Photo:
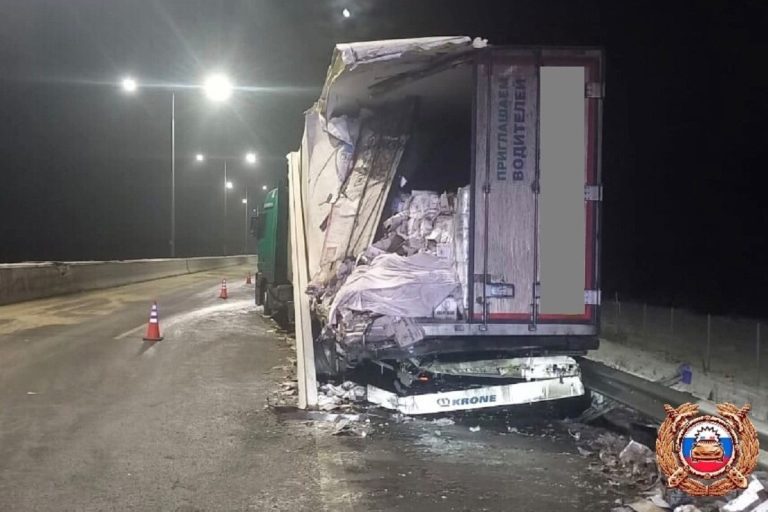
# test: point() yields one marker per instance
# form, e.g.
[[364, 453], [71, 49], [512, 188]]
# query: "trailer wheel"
[[258, 296]]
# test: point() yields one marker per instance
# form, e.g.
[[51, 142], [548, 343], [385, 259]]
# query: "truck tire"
[[258, 295], [268, 302]]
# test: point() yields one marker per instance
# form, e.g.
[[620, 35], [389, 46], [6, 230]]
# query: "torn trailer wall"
[[419, 224]]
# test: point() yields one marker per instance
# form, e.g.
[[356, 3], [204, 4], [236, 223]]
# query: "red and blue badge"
[[706, 446]]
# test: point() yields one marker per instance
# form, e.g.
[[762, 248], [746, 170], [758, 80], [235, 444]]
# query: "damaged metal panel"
[[357, 69], [478, 398], [354, 217], [527, 368], [505, 184]]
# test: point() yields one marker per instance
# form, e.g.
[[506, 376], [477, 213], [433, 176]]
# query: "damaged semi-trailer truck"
[[444, 222]]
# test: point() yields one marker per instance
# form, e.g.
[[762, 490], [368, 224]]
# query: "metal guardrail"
[[647, 397]]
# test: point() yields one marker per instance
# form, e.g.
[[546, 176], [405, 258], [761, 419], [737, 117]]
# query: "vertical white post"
[[305, 353]]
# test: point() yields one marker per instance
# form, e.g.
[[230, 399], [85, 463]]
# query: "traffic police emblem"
[[707, 455]]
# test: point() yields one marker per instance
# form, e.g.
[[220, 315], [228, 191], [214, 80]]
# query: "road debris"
[[474, 429], [331, 397], [625, 465], [687, 508], [645, 506], [349, 427], [748, 500]]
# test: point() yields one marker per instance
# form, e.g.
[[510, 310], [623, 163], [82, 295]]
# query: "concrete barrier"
[[27, 281]]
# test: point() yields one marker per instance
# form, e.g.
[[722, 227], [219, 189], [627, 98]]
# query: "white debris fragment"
[[474, 429], [443, 422], [687, 508], [31, 393], [636, 453], [746, 499], [645, 506], [659, 501]]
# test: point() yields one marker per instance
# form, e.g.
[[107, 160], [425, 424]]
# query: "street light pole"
[[245, 239], [218, 88], [224, 224], [173, 174]]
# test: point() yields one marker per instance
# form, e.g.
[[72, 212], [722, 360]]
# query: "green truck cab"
[[273, 288]]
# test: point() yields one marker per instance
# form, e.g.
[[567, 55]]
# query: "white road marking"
[[128, 333]]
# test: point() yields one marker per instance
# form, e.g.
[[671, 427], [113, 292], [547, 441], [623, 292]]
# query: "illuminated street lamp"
[[250, 158], [229, 185], [346, 13], [129, 84], [264, 187], [218, 88]]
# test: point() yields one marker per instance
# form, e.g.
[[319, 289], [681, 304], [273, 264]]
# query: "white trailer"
[[515, 132]]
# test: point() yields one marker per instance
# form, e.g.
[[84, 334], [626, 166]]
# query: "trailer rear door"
[[536, 189]]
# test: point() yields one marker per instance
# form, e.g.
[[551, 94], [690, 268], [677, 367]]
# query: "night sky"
[[86, 169]]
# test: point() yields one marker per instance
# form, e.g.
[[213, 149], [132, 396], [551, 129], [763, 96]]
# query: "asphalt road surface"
[[92, 419]]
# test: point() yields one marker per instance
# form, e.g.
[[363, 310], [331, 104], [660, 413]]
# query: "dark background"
[[85, 170]]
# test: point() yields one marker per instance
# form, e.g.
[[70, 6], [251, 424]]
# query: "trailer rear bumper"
[[521, 345], [479, 398]]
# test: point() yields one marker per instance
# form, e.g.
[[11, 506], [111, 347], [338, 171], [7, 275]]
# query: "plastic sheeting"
[[326, 159], [399, 286]]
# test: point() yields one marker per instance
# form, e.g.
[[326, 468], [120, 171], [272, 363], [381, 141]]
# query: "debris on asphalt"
[[645, 506], [515, 430], [748, 500], [287, 394], [443, 422], [343, 396], [623, 464], [675, 497], [474, 429], [638, 456], [349, 427], [687, 508]]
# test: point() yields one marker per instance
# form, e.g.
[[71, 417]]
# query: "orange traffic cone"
[[223, 294], [248, 279], [153, 327]]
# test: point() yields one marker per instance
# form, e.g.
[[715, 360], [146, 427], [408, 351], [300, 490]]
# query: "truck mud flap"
[[478, 398]]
